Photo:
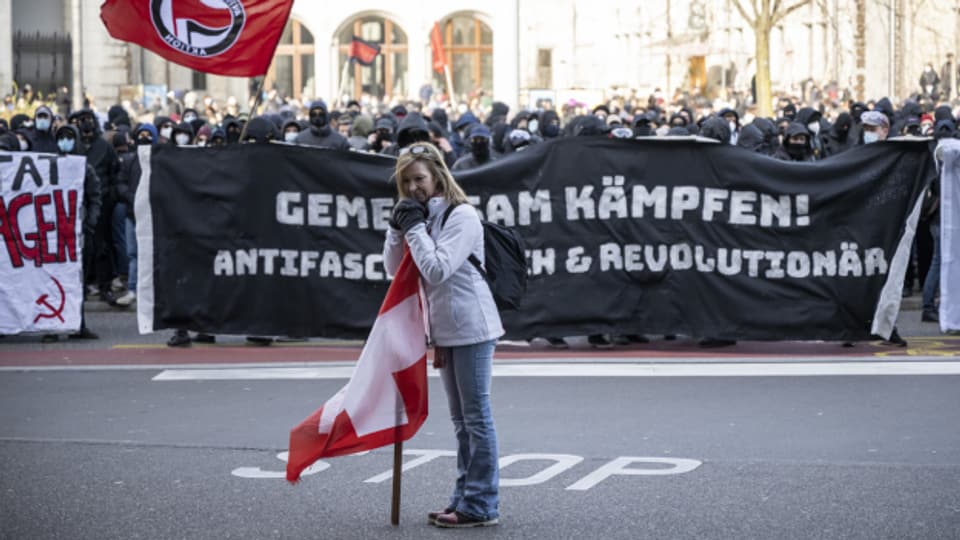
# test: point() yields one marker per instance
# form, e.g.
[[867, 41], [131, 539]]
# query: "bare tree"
[[762, 18]]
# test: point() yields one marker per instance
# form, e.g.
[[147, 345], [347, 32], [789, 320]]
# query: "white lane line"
[[779, 369]]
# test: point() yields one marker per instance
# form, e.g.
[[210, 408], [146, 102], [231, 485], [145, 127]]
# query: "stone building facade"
[[516, 51]]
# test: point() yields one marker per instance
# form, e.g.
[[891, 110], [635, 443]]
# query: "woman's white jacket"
[[460, 306]]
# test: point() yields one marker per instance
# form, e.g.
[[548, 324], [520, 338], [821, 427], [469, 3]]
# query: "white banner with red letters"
[[41, 237]]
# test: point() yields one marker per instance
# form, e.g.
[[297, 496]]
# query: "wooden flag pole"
[[397, 468], [343, 81], [253, 110], [450, 96]]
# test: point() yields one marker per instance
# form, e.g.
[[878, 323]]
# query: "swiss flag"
[[436, 47], [224, 37], [385, 400], [363, 51]]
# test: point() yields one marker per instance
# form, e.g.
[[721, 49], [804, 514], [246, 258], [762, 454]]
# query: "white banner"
[[41, 242], [949, 152]]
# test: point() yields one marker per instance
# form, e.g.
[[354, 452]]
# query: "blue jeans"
[[931, 285], [131, 236], [118, 225], [466, 378]]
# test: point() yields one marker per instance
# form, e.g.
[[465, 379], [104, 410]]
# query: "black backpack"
[[504, 253]]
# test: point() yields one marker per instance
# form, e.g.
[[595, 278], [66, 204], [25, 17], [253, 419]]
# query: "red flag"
[[237, 38], [436, 46], [363, 51], [385, 400]]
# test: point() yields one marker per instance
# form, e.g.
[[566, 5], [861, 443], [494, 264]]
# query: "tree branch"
[[743, 12], [777, 17]]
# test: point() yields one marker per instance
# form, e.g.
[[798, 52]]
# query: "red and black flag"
[[363, 51], [232, 37]]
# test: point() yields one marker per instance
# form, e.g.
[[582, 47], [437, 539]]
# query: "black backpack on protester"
[[504, 253]]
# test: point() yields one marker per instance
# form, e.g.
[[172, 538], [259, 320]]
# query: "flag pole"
[[256, 105], [343, 80], [397, 464], [446, 73]]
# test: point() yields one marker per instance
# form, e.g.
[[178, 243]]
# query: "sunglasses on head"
[[415, 150]]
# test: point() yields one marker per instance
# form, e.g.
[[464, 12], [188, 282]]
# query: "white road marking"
[[766, 369]]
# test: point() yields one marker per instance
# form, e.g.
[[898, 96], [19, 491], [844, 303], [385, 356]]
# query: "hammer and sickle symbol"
[[55, 312]]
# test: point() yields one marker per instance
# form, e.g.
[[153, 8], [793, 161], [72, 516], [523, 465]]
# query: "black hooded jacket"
[[42, 140], [794, 128], [807, 116], [261, 130], [92, 198], [751, 138], [103, 158], [838, 138], [771, 138], [716, 128]]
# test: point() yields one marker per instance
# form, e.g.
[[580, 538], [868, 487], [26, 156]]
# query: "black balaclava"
[[87, 124], [480, 148]]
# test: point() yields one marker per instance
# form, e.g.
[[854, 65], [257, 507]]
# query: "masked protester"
[[320, 133], [203, 136], [837, 139], [232, 129], [164, 127], [733, 122], [549, 124], [260, 131], [218, 138], [813, 120], [70, 142], [127, 182], [876, 126], [382, 136], [479, 151], [103, 158], [796, 144], [413, 129], [291, 129], [182, 135], [41, 136]]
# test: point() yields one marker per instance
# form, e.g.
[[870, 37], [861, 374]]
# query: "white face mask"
[[533, 126], [290, 136], [182, 139], [189, 118], [166, 132], [733, 126], [814, 127], [870, 137]]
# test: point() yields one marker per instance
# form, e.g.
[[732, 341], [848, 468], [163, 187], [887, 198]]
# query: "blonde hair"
[[428, 154]]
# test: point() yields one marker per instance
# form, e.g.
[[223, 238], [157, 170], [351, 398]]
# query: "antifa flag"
[[663, 236], [363, 52], [235, 37], [41, 242], [385, 400]]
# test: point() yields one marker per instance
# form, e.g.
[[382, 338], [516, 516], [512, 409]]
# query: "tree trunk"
[[764, 96]]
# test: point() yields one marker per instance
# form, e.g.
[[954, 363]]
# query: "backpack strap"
[[472, 258]]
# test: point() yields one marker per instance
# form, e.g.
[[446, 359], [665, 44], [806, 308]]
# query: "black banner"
[[624, 236]]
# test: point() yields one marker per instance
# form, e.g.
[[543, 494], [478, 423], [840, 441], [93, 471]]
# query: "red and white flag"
[[225, 37], [385, 400]]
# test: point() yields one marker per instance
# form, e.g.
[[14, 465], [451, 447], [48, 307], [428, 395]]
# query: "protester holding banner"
[[69, 141], [463, 320]]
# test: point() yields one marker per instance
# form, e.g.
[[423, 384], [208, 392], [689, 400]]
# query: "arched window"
[[386, 77], [291, 73], [469, 46]]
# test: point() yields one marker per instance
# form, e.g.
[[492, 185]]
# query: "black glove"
[[406, 214]]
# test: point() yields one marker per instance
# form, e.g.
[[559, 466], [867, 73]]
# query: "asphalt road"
[[108, 454]]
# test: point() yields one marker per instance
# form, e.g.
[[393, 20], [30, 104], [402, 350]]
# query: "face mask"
[[166, 132], [290, 136], [43, 124], [796, 150], [814, 127], [870, 137], [533, 126], [319, 120], [189, 118], [480, 148], [87, 126], [182, 139], [66, 145], [201, 142], [733, 126], [23, 145], [144, 141]]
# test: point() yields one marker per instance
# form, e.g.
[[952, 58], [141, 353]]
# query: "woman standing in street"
[[442, 230]]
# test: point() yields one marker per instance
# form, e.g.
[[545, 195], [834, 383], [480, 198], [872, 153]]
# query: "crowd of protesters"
[[468, 136]]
